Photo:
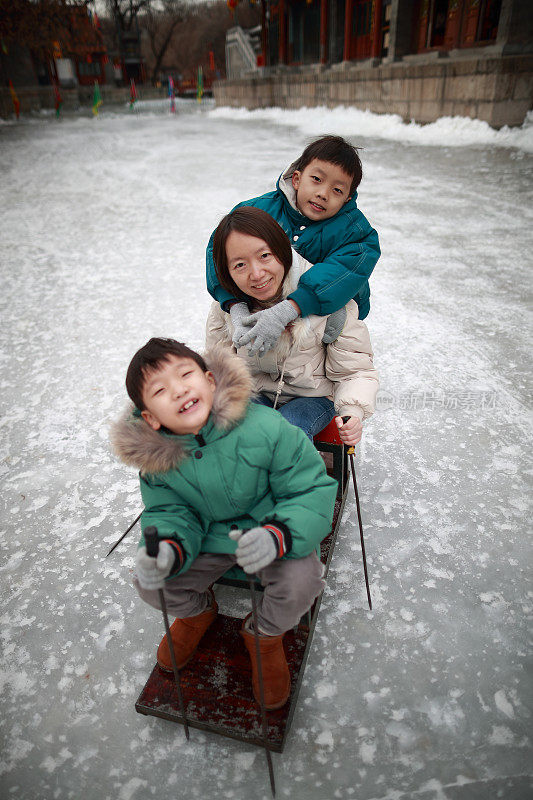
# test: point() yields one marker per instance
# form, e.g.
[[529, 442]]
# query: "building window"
[[89, 70], [489, 16], [437, 26], [362, 18]]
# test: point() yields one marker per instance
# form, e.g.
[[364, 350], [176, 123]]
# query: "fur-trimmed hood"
[[140, 446]]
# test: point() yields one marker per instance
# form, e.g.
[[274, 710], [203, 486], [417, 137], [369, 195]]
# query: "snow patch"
[[244, 761], [325, 739], [127, 790], [503, 704], [325, 689], [349, 121]]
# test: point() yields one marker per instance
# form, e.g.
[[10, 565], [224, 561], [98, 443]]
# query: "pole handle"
[[350, 450], [151, 539]]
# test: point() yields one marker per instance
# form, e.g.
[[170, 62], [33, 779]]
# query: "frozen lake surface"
[[103, 229]]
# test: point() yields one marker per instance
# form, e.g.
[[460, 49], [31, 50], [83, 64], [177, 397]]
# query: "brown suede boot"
[[186, 634], [276, 676]]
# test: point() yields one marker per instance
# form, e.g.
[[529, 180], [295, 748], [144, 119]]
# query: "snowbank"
[[346, 121]]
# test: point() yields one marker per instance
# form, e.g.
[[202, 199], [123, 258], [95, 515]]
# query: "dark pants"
[[311, 414], [290, 586]]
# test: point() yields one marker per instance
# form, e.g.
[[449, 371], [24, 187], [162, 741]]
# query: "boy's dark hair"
[[334, 150], [254, 222], [149, 358]]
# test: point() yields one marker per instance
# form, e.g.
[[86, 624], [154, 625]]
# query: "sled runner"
[[216, 684]]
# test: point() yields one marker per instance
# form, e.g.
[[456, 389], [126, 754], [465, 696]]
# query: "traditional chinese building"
[[83, 47], [331, 31], [418, 58]]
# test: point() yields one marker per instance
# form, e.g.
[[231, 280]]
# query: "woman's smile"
[[259, 287]]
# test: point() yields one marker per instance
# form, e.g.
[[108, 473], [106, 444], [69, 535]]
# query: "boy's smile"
[[178, 395], [321, 189]]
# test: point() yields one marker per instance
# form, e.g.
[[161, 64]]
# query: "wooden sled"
[[217, 684]]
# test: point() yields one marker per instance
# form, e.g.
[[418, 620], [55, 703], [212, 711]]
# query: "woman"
[[307, 380]]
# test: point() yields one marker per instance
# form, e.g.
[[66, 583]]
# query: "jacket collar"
[[138, 445]]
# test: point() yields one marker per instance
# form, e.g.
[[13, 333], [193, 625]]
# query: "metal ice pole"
[[152, 548], [264, 723], [135, 521], [350, 451]]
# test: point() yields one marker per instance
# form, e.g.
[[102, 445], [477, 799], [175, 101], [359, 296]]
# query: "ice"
[[103, 230]]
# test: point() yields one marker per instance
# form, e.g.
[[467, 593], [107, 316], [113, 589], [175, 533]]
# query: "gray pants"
[[290, 586]]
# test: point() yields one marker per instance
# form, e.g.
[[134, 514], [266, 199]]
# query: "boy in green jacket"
[[315, 204], [210, 460]]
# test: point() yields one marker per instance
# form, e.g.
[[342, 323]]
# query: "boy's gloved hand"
[[334, 325], [152, 572], [237, 312], [268, 325], [256, 548]]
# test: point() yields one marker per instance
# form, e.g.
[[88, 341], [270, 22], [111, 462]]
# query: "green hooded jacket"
[[246, 467]]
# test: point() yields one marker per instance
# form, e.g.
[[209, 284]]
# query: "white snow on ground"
[[348, 121], [103, 229]]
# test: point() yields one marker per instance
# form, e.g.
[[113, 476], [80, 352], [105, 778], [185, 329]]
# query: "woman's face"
[[252, 265]]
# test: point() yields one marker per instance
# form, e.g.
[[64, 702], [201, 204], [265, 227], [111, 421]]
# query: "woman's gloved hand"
[[268, 325], [152, 572], [237, 312], [255, 550]]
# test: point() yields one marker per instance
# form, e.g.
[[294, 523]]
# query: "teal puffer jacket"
[[343, 250], [247, 466]]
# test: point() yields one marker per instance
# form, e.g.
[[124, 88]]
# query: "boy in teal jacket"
[[315, 204], [210, 460]]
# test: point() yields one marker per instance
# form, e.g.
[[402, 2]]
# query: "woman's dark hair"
[[149, 358], [254, 222], [334, 150]]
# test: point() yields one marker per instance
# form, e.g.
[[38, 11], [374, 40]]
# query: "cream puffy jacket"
[[300, 365]]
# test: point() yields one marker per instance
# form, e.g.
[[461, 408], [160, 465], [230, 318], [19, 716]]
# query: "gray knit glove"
[[237, 312], [334, 325], [268, 325], [152, 572], [255, 550]]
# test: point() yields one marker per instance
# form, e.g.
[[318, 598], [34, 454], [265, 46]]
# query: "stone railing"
[[498, 90]]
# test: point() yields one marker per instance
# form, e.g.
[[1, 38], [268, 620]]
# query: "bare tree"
[[37, 24], [160, 25], [126, 12], [203, 31]]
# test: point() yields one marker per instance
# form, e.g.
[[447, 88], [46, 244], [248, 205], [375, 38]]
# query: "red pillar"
[[323, 31], [264, 34], [376, 39], [282, 33], [348, 16]]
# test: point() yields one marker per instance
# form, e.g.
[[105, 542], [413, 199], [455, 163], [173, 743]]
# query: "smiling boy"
[[315, 204], [177, 394], [210, 460]]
